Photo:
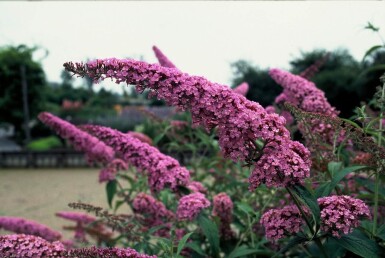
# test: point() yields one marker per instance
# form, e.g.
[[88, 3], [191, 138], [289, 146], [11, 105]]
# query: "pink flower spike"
[[79, 217], [94, 149], [239, 122], [162, 171], [163, 60], [28, 227], [223, 208], [242, 89], [191, 205]]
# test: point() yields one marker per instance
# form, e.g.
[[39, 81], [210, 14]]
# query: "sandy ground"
[[38, 194]]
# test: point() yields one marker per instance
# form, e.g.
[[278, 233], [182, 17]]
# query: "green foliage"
[[46, 143], [12, 58]]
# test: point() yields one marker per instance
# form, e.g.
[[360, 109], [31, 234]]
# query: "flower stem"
[[316, 240], [377, 182]]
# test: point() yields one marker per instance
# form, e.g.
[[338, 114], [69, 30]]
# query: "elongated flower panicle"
[[242, 88], [340, 214], [79, 217], [23, 246], [91, 252], [223, 208], [279, 223], [314, 68], [162, 171], [95, 150], [163, 60], [303, 93], [239, 121], [306, 96], [191, 205], [28, 227], [154, 211]]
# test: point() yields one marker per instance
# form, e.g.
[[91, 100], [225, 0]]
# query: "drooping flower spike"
[[28, 227], [239, 122], [91, 252], [163, 60], [162, 171], [242, 88], [314, 68], [95, 150]]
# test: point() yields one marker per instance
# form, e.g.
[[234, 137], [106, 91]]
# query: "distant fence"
[[37, 159], [59, 159]]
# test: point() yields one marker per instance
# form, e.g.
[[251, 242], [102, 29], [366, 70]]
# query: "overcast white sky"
[[201, 38]]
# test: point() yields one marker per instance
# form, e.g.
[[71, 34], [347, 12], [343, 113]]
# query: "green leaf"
[[371, 50], [370, 185], [360, 244], [118, 204], [244, 250], [309, 199], [333, 167], [326, 188], [182, 242], [293, 242], [244, 207], [210, 230], [194, 246], [111, 191], [381, 232]]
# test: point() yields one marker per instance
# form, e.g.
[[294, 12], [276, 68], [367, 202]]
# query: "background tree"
[[12, 58]]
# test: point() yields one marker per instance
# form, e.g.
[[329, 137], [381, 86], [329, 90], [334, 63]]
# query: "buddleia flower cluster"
[[95, 149], [238, 121], [28, 227], [340, 214], [162, 171]]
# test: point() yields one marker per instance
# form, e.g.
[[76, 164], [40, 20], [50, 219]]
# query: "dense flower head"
[[163, 60], [242, 88], [109, 172], [279, 223], [281, 165], [95, 150], [23, 246], [223, 208], [28, 227], [162, 171], [154, 211], [341, 214], [191, 205], [113, 252], [239, 122]]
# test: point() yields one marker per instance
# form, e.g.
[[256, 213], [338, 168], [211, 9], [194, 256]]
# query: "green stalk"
[[377, 183], [316, 240]]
